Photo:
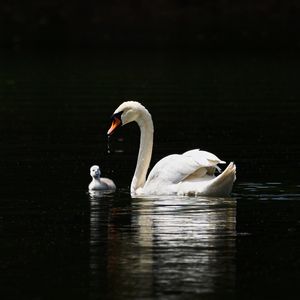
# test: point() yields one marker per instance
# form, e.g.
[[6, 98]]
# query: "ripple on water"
[[175, 244], [266, 191]]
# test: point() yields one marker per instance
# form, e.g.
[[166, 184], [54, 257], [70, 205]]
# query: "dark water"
[[58, 241]]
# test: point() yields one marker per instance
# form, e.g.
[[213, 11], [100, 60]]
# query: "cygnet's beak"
[[95, 174], [114, 125]]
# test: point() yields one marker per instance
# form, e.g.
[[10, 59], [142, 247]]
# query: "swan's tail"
[[221, 186]]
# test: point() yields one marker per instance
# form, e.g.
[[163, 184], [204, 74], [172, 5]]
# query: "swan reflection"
[[166, 244]]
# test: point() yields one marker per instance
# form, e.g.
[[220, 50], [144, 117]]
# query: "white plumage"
[[190, 173], [100, 183]]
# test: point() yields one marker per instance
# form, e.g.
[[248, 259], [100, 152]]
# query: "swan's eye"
[[117, 115]]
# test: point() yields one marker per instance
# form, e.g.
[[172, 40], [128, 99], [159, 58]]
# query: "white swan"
[[98, 183], [190, 173]]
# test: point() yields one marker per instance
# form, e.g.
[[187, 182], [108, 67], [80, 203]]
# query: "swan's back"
[[192, 166], [102, 184]]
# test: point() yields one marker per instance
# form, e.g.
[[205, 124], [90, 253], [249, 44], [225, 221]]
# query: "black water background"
[[55, 110]]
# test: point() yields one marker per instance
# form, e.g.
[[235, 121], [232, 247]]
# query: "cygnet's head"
[[127, 112], [95, 171]]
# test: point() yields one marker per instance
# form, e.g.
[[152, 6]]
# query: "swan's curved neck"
[[145, 152]]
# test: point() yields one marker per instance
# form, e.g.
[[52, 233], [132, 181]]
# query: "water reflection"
[[161, 246]]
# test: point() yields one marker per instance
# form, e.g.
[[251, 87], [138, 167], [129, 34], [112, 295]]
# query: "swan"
[[98, 183], [190, 173]]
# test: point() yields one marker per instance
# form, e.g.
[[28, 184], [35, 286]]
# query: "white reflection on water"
[[193, 240], [164, 246]]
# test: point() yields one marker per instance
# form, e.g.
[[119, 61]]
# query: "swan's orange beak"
[[114, 125]]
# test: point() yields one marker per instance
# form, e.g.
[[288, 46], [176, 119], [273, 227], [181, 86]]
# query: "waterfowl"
[[100, 183], [190, 173]]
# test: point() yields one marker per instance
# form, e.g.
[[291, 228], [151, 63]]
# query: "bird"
[[189, 174], [100, 183]]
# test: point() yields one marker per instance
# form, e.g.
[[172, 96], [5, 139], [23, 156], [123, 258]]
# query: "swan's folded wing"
[[204, 158], [177, 167], [172, 169]]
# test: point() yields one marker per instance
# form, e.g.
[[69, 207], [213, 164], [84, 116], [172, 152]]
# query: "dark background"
[[260, 24], [240, 101]]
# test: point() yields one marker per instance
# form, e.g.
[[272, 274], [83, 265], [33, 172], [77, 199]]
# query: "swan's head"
[[95, 171], [127, 112]]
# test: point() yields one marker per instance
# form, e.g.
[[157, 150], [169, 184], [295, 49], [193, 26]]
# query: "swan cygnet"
[[100, 183], [190, 173]]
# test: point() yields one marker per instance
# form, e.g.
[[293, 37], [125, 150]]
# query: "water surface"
[[58, 241]]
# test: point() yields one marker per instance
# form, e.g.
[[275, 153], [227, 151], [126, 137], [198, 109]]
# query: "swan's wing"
[[203, 157], [172, 169], [206, 159], [109, 183], [175, 168]]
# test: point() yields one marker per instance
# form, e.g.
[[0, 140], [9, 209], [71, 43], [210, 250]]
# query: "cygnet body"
[[100, 183]]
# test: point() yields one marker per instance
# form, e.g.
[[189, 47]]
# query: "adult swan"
[[190, 173]]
